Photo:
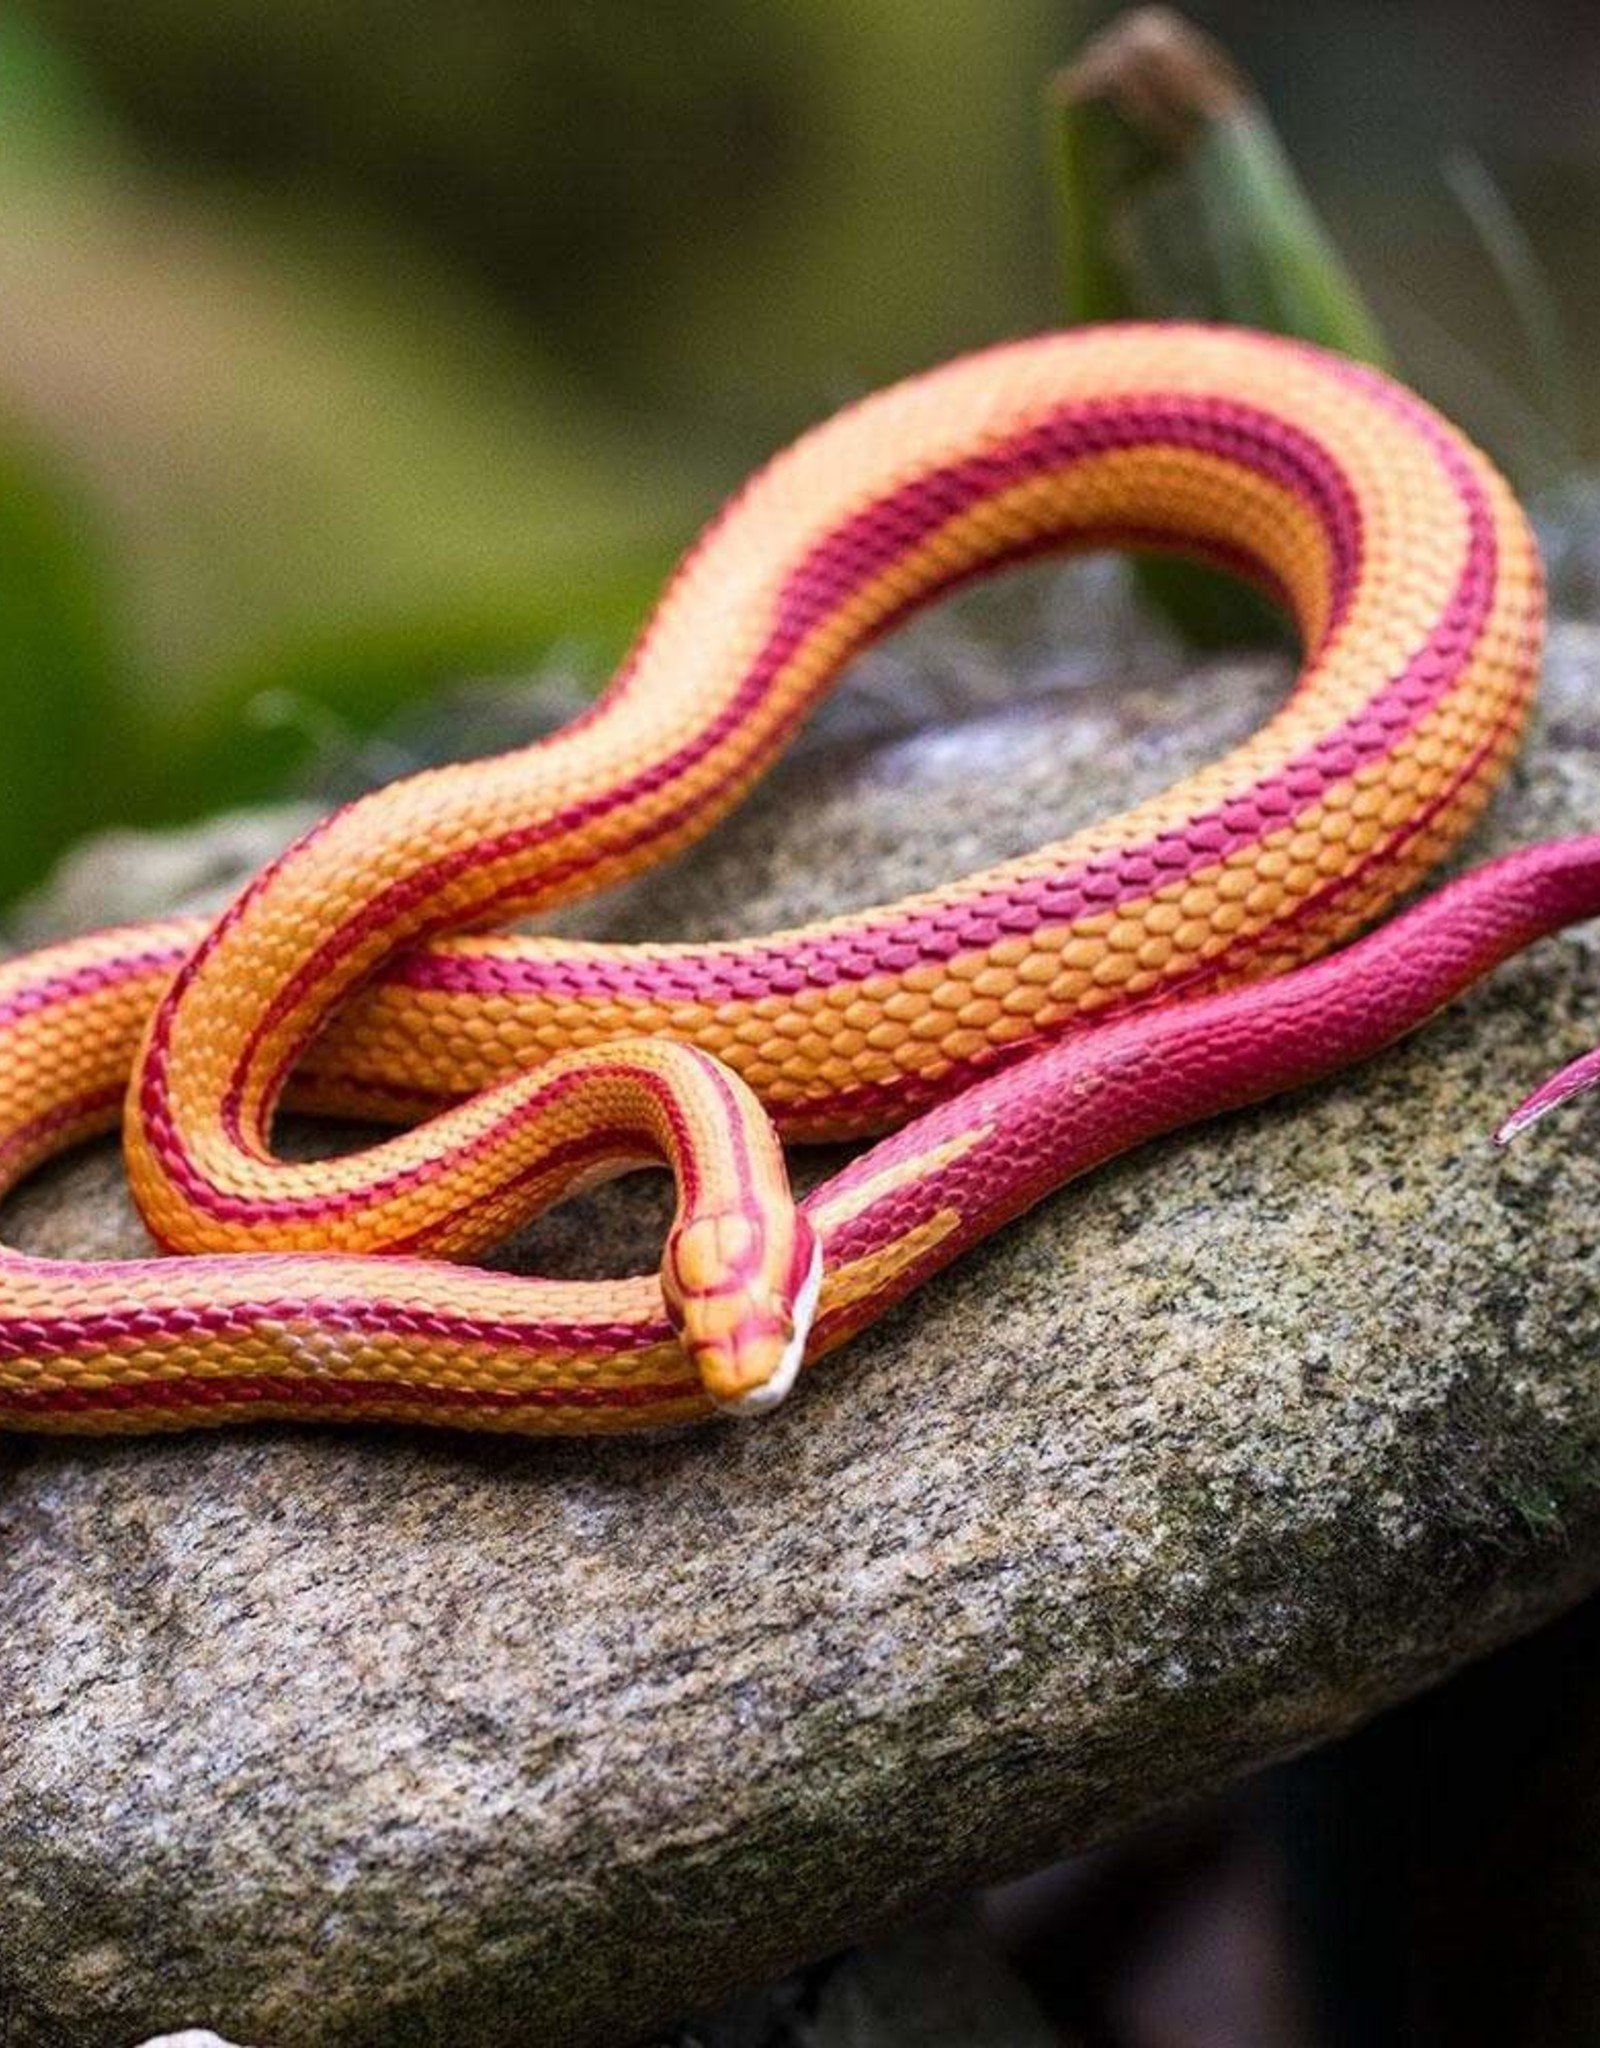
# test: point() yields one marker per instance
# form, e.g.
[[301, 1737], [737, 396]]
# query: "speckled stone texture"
[[369, 1738]]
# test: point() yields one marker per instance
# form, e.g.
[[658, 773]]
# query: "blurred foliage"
[[57, 684], [1175, 197], [262, 466], [352, 350], [467, 122], [356, 337], [675, 198]]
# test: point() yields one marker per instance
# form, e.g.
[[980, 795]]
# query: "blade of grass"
[[1527, 288], [1274, 262], [63, 764]]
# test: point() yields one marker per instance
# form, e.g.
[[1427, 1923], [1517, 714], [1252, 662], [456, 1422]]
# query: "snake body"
[[355, 974]]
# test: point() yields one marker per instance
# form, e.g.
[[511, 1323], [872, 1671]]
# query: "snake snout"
[[743, 1309]]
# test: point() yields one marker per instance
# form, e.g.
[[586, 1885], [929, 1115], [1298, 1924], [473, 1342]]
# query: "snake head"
[[741, 1292]]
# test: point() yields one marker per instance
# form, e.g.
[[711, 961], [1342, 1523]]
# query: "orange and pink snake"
[[1009, 1031]]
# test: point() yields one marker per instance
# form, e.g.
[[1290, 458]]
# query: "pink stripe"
[[873, 1105], [739, 1144], [201, 1391], [87, 980], [26, 1339], [746, 972], [24, 1139], [530, 1112], [976, 921], [849, 557], [578, 1154]]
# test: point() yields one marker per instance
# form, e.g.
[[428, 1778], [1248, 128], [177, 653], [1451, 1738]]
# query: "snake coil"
[[361, 971]]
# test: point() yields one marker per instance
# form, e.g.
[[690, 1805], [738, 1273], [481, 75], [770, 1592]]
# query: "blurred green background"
[[348, 351]]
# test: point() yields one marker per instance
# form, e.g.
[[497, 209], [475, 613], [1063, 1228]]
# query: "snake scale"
[[1008, 1031]]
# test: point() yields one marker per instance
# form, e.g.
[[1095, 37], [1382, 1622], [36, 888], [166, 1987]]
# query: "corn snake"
[[523, 1067]]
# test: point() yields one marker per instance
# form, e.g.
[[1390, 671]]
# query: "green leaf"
[[1175, 199], [270, 724], [57, 695]]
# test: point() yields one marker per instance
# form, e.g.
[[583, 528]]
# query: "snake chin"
[[776, 1388]]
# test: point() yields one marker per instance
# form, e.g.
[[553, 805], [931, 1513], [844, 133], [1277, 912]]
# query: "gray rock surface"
[[119, 877], [375, 1738]]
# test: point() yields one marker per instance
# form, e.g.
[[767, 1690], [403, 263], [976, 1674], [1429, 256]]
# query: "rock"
[[120, 877], [366, 1737]]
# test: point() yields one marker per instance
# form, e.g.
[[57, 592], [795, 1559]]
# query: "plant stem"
[[1176, 199]]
